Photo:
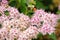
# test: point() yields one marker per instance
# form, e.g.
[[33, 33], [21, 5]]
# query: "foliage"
[[49, 37], [0, 25], [44, 4], [6, 13], [24, 6], [39, 37], [58, 12], [53, 36]]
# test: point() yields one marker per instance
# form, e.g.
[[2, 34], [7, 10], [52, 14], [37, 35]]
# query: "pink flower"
[[2, 16], [13, 12], [41, 15], [35, 21], [23, 37], [3, 33], [14, 33], [39, 12], [50, 19], [4, 2], [46, 29], [2, 8], [37, 17], [31, 32]]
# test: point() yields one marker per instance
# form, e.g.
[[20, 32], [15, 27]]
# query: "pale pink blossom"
[[42, 16], [14, 33], [31, 32], [4, 2], [37, 17], [35, 21], [3, 33], [50, 19], [46, 29]]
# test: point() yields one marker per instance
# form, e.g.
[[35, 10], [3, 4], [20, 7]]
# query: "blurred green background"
[[27, 6]]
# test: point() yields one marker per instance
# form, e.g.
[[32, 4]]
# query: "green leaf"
[[46, 2], [58, 12], [53, 36], [23, 1], [58, 20], [0, 25], [12, 3], [21, 5], [30, 13], [0, 14], [43, 4], [39, 35], [19, 1], [6, 13], [31, 2], [15, 39], [23, 8], [39, 5]]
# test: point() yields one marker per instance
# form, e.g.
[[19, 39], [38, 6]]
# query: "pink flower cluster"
[[3, 2], [13, 13], [3, 33], [14, 34], [37, 17], [46, 22], [22, 23], [46, 29], [17, 26], [21, 27], [29, 33]]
